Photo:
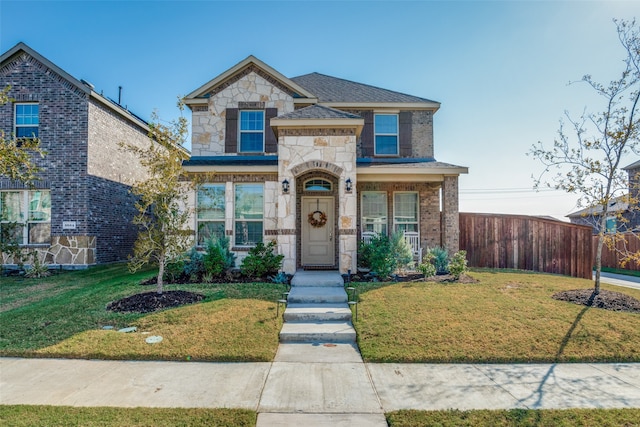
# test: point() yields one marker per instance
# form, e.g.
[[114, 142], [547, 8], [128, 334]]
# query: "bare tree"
[[586, 157]]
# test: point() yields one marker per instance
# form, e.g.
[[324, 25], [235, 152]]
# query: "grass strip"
[[64, 416], [516, 417]]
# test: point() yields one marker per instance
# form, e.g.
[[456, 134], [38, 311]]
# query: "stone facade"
[[88, 175], [208, 125], [321, 143]]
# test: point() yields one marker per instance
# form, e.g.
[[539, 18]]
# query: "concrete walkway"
[[619, 280]]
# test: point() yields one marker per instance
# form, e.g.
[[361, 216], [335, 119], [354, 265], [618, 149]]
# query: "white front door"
[[318, 247]]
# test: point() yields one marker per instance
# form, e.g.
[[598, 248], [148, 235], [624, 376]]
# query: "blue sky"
[[500, 68]]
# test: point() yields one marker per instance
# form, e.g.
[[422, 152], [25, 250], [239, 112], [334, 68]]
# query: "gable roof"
[[634, 165], [336, 91], [617, 204], [201, 93], [80, 85]]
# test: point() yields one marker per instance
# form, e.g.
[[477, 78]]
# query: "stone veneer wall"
[[208, 123], [428, 199], [332, 151]]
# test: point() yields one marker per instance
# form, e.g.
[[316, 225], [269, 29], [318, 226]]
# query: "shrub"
[[401, 251], [427, 266], [37, 269], [261, 261], [194, 264], [458, 264], [174, 270], [378, 256], [440, 259], [218, 257]]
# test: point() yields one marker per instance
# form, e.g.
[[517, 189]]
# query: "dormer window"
[[386, 135], [251, 131]]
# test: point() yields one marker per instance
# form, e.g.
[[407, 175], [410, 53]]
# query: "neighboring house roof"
[[81, 85], [634, 165], [618, 204], [335, 90]]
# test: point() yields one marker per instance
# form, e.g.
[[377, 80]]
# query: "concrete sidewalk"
[[619, 280], [341, 385]]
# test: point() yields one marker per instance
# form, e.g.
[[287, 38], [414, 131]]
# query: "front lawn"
[[505, 317], [64, 315]]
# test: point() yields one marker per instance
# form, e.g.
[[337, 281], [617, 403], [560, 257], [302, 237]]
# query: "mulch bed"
[[152, 301], [608, 300]]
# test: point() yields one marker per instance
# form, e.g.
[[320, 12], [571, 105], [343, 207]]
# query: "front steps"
[[317, 310]]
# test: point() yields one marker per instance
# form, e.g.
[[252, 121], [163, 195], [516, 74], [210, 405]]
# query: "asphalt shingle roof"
[[318, 112], [333, 89]]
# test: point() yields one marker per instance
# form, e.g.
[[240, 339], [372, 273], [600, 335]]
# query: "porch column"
[[287, 223], [450, 216], [348, 244]]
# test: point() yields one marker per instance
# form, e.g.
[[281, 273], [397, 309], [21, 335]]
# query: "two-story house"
[[316, 163], [623, 210], [79, 212]]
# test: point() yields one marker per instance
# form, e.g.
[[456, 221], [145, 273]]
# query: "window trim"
[[386, 208], [224, 215], [417, 221], [16, 126], [240, 131], [25, 214], [235, 219], [376, 134]]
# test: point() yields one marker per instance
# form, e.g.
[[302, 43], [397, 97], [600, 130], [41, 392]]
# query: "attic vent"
[[86, 83], [200, 108], [247, 105]]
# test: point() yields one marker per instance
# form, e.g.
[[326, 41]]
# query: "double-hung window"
[[405, 211], [27, 120], [249, 214], [210, 212], [386, 134], [374, 212], [251, 131], [25, 217]]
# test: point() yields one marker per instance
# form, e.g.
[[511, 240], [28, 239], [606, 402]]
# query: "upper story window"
[[251, 131], [386, 135], [27, 120]]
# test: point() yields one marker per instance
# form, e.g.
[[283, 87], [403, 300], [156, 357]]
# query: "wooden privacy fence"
[[611, 258], [526, 243]]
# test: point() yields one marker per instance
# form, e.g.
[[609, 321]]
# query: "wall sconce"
[[285, 186], [348, 185]]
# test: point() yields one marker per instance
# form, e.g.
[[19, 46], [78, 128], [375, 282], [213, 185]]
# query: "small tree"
[[162, 197], [587, 158], [17, 164]]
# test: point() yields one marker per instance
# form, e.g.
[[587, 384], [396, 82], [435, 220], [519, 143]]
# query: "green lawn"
[[505, 317], [63, 316]]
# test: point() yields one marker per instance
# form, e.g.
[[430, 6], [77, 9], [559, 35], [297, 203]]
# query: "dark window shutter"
[[270, 141], [405, 133], [366, 137], [231, 131]]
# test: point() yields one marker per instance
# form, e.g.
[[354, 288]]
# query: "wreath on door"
[[317, 219]]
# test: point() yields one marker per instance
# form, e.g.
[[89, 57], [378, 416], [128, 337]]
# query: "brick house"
[[624, 215], [80, 211], [316, 163]]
